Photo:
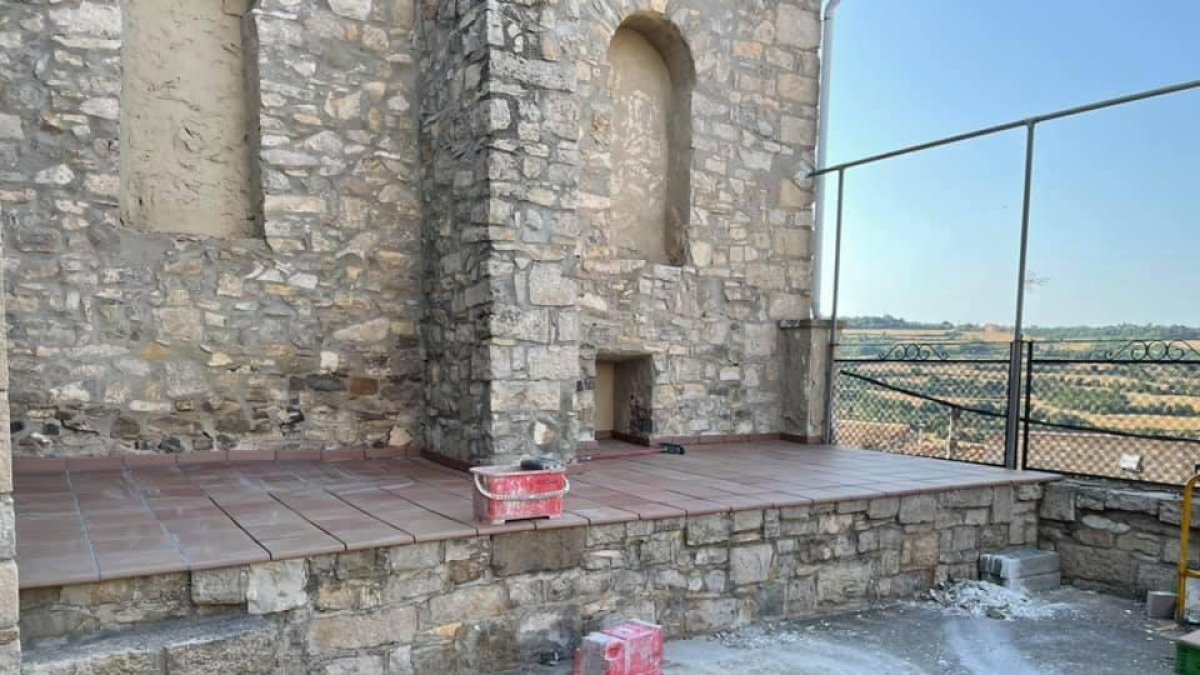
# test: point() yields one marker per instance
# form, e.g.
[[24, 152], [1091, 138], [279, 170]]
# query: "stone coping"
[[85, 526]]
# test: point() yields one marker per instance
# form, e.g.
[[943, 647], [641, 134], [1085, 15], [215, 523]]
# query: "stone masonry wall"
[[502, 325], [1115, 537], [492, 603], [455, 240], [129, 341], [10, 644], [710, 323]]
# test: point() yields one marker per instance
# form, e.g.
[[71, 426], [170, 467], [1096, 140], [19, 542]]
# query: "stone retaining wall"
[[1115, 537], [492, 603]]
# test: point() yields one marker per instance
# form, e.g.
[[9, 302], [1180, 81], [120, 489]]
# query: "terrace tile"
[[85, 521]]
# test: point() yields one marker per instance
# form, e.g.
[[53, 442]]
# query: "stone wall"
[[1115, 537], [709, 323], [455, 242], [490, 603], [10, 644], [123, 339], [435, 261]]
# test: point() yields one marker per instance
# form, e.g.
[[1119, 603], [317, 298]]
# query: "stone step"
[[1018, 563], [195, 647]]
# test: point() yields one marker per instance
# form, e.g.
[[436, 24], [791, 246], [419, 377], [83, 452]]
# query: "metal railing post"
[[830, 366], [1013, 420], [1028, 403]]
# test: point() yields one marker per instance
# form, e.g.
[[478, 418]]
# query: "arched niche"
[[651, 77]]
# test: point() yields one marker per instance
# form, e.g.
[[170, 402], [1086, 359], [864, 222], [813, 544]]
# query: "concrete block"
[[1030, 584], [1019, 563], [1160, 605]]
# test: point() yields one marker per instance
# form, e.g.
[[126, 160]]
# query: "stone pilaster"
[[10, 634], [533, 166], [804, 348], [456, 244], [501, 326]]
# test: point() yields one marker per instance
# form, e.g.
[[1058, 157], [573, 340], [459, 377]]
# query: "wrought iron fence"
[[1123, 409]]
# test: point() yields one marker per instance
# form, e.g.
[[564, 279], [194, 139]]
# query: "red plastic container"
[[633, 648], [504, 493]]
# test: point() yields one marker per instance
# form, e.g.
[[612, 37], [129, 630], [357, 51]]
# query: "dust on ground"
[[966, 628], [982, 599], [1060, 632]]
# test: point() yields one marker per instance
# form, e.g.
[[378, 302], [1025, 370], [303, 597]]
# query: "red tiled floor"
[[99, 522]]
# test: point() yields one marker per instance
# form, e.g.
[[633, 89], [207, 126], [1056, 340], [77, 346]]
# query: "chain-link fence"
[[1122, 409], [943, 400], [1128, 409]]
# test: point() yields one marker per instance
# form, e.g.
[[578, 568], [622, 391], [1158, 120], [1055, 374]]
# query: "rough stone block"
[[251, 653], [1107, 566], [956, 499], [548, 632], [710, 529], [400, 661], [369, 664], [833, 523], [852, 506], [843, 582], [920, 550], [468, 604], [708, 615], [360, 630], [1029, 492], [9, 602], [750, 564], [1002, 504], [220, 587], [747, 520], [421, 556], [116, 662], [801, 596], [918, 509], [537, 551], [276, 587], [886, 507]]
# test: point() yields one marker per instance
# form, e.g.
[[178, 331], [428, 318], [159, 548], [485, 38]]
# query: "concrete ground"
[[1089, 633]]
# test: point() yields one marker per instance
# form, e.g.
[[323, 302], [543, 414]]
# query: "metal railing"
[[1013, 399], [1117, 408]]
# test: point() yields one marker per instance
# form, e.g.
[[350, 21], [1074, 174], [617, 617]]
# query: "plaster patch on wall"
[[641, 93], [186, 156]]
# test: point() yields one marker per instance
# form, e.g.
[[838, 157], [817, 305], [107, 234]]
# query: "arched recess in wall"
[[189, 135], [650, 84]]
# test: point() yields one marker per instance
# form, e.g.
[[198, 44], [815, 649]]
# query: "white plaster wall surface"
[[186, 161]]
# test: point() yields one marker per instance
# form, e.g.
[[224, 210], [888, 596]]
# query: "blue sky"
[[1116, 200]]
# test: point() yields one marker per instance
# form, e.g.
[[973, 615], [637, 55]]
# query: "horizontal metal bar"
[[1123, 362], [975, 362], [999, 128], [1027, 418], [1098, 431]]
